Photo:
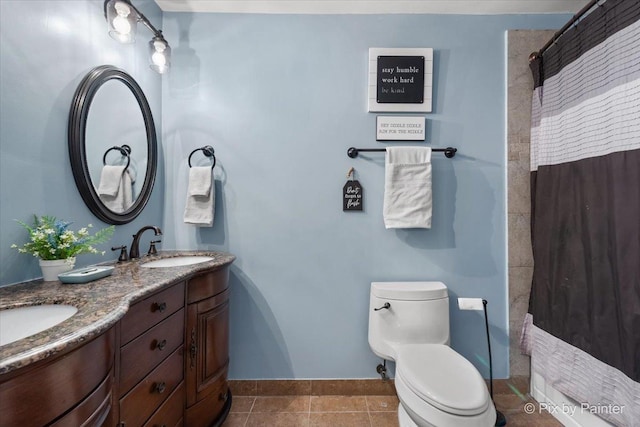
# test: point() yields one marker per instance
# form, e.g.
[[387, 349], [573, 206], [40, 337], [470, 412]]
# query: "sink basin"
[[22, 322], [179, 261]]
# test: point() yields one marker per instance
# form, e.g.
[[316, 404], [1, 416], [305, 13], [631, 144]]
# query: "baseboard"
[[348, 387]]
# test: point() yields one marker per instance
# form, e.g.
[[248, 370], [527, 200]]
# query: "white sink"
[[178, 261], [22, 322]]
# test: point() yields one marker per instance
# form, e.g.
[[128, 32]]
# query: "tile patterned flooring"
[[311, 410]]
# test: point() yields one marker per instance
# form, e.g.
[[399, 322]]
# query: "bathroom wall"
[[281, 98], [46, 48]]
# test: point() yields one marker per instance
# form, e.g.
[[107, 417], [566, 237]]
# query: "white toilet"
[[437, 387]]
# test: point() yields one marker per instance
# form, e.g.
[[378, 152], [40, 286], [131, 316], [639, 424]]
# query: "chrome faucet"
[[135, 245]]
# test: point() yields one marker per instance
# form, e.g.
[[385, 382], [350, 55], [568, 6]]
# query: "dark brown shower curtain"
[[585, 187]]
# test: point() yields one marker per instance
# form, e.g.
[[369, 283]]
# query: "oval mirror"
[[112, 144]]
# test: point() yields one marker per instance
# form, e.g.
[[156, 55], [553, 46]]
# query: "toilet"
[[437, 387]]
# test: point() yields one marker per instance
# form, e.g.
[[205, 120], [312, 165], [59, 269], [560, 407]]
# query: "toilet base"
[[404, 420]]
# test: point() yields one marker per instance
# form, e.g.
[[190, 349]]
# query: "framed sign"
[[400, 128], [400, 79]]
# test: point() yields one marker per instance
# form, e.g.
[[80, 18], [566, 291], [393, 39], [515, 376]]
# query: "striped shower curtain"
[[583, 325]]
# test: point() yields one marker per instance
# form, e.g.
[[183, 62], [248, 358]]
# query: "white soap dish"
[[87, 274]]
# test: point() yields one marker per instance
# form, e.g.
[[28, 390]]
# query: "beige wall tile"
[[283, 387], [520, 44], [243, 387], [520, 254], [353, 387]]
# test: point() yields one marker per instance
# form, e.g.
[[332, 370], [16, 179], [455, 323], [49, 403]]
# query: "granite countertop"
[[100, 303]]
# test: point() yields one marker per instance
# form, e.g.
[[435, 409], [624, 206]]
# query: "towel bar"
[[352, 152]]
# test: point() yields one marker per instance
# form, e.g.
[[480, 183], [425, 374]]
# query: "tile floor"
[[370, 411]]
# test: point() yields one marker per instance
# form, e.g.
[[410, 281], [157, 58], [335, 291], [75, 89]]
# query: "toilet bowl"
[[409, 324]]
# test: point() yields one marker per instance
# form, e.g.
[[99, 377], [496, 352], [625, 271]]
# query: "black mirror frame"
[[77, 151]]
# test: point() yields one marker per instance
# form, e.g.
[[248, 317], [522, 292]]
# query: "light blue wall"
[[281, 98], [46, 48]]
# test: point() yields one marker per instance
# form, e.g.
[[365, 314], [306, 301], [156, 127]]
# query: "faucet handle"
[[152, 247], [123, 253]]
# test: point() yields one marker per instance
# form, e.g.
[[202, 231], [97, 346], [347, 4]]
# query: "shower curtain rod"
[[568, 25]]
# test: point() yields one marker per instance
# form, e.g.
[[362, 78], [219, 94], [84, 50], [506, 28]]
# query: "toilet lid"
[[443, 378]]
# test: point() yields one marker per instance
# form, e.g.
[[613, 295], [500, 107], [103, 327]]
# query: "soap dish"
[[87, 274]]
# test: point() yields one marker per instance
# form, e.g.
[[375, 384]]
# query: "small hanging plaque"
[[352, 197]]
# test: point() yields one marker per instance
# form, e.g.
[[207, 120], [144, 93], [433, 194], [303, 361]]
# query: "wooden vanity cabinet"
[[164, 363], [70, 390], [207, 348], [151, 359]]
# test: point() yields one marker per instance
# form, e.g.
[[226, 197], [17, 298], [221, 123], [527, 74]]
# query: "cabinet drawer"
[[207, 285], [146, 313], [145, 352], [92, 411], [209, 408], [170, 413], [39, 395], [138, 405]]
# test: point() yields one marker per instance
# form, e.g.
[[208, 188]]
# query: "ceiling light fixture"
[[123, 18]]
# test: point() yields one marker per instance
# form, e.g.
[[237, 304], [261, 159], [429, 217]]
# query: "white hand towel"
[[199, 181], [123, 199], [110, 180], [199, 209], [407, 187]]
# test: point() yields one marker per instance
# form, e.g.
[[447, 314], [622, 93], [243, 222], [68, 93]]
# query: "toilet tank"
[[418, 313]]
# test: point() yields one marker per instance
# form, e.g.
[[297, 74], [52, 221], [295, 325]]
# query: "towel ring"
[[125, 150], [208, 151]]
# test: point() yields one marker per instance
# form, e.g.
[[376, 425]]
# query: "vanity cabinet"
[[164, 363], [151, 359], [207, 334], [70, 390]]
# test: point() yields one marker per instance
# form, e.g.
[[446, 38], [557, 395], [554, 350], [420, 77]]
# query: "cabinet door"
[[208, 348]]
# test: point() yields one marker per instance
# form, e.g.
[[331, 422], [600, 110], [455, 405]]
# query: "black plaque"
[[400, 80], [352, 196]]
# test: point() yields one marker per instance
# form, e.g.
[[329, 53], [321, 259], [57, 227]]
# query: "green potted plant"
[[56, 246]]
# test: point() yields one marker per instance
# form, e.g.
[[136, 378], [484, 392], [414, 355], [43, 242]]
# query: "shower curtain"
[[583, 324]]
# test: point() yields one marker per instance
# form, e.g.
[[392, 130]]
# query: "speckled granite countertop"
[[100, 303]]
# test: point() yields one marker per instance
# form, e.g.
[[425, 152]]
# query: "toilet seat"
[[442, 378]]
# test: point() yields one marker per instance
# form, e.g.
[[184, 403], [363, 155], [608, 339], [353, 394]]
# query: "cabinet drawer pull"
[[224, 396], [160, 387], [160, 306], [161, 345]]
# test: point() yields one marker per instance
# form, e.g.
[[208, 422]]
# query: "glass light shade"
[[122, 19], [159, 55]]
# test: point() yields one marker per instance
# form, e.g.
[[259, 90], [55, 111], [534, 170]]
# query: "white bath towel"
[[199, 209], [123, 198], [407, 187], [110, 180], [199, 181]]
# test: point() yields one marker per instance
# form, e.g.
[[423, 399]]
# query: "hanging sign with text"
[[352, 196], [400, 79], [400, 128]]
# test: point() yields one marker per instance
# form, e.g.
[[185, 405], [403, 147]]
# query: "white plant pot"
[[51, 268]]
